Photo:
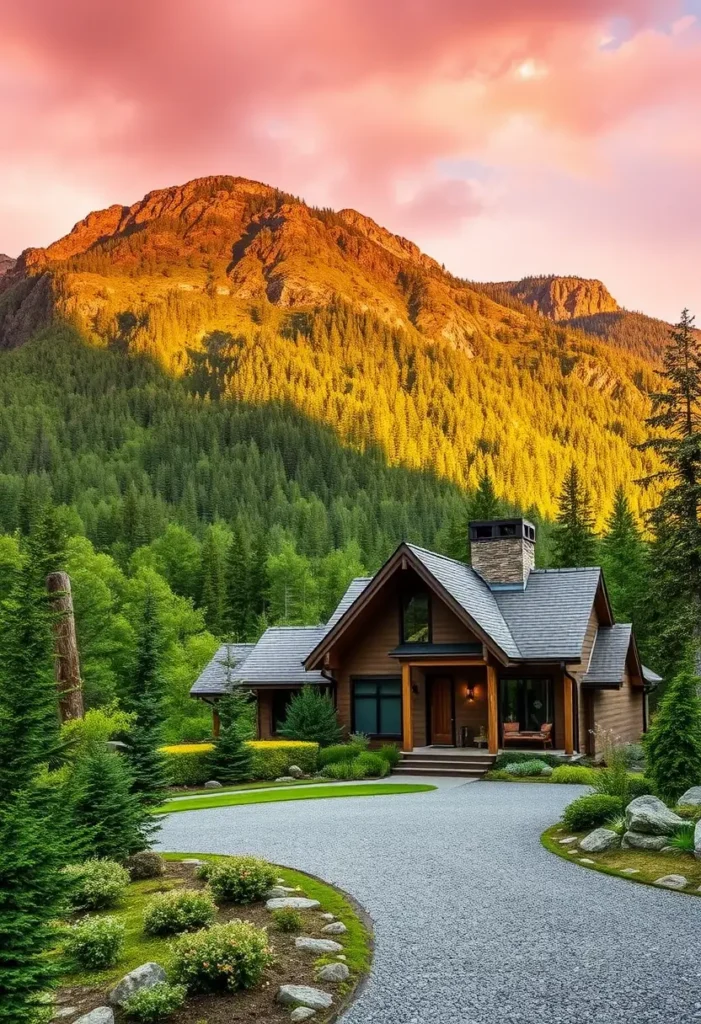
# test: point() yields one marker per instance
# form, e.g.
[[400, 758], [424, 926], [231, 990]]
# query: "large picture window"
[[377, 707], [416, 618], [528, 702]]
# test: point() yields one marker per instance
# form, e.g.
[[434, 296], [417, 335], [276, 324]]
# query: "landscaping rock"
[[599, 840], [569, 839], [672, 881], [295, 771], [638, 841], [304, 995], [145, 976], [697, 841], [65, 1011], [293, 903], [194, 862], [692, 797], [213, 784], [101, 1015], [630, 871], [285, 778], [302, 1013], [335, 973], [318, 946], [279, 892], [335, 928], [327, 917], [586, 860], [647, 814]]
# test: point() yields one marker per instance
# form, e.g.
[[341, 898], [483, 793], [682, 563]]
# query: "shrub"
[[311, 715], [391, 753], [287, 920], [527, 769], [105, 807], [506, 758], [374, 765], [180, 910], [690, 812], [682, 840], [227, 956], [231, 760], [99, 884], [272, 758], [639, 785], [145, 864], [187, 764], [345, 770], [155, 1003], [673, 743], [96, 942], [574, 774], [240, 879], [634, 754], [591, 811], [339, 752]]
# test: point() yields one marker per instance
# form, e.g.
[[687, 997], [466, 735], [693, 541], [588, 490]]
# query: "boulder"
[[639, 841], [304, 995], [302, 1013], [213, 784], [279, 892], [647, 814], [100, 1015], [327, 917], [318, 946], [692, 797], [697, 840], [145, 976], [335, 928], [335, 973], [295, 771], [599, 840], [672, 881], [292, 903]]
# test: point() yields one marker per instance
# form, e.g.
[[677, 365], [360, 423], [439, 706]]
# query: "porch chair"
[[512, 734]]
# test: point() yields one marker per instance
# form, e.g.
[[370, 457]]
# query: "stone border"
[[552, 846]]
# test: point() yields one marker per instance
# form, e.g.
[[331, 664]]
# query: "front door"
[[442, 711]]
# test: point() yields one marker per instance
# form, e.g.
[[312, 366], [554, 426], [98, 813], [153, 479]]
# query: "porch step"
[[460, 764], [433, 769]]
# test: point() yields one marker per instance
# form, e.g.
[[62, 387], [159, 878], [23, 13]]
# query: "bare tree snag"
[[67, 663]]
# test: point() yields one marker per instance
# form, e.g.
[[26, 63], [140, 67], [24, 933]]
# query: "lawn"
[[325, 792], [649, 865], [174, 791]]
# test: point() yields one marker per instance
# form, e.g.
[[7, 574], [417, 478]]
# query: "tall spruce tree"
[[574, 541], [239, 618], [231, 760], [626, 563], [673, 742], [106, 811], [483, 504]]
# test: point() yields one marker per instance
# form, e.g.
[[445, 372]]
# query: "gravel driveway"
[[475, 923]]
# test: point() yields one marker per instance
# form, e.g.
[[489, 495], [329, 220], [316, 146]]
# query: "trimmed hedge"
[[186, 763], [574, 774], [591, 811]]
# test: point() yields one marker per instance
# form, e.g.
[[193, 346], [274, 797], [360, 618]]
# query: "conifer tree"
[[105, 809], [239, 613], [213, 584], [231, 760], [259, 585], [626, 563], [311, 716], [673, 742], [574, 541]]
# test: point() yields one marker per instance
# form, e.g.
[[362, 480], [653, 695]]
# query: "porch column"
[[407, 709], [216, 723], [569, 715], [492, 710]]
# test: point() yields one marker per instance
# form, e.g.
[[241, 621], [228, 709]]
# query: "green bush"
[[391, 753], [339, 752], [374, 765], [311, 715], [673, 742], [527, 769], [180, 910], [690, 812], [272, 758], [287, 920], [146, 864], [574, 774], [502, 760], [639, 785], [682, 840], [99, 884], [227, 956], [591, 811], [240, 879], [96, 942], [187, 764], [345, 770], [155, 1003]]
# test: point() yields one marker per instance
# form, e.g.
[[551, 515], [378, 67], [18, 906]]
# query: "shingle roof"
[[650, 677], [608, 660], [355, 589], [549, 618], [214, 677], [277, 657]]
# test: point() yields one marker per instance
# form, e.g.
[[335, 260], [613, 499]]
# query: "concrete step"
[[447, 771], [445, 762]]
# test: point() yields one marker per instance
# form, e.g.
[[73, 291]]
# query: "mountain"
[[6, 263], [563, 298], [249, 295]]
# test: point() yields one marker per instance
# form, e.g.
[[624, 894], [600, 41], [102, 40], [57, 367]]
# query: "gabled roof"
[[277, 658], [213, 678], [355, 589], [651, 678], [610, 654]]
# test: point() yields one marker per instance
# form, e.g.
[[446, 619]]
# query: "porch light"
[[470, 692]]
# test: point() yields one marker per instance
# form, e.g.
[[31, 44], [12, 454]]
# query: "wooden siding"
[[620, 711], [265, 715]]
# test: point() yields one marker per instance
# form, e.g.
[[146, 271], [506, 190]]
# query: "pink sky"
[[506, 138]]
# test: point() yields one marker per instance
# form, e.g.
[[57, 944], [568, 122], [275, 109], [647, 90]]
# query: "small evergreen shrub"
[[527, 769], [573, 774], [311, 716], [374, 765], [240, 879], [145, 864], [105, 806], [99, 884], [591, 811], [391, 753], [96, 942], [339, 752], [180, 910], [346, 771], [288, 920], [231, 759], [634, 754], [506, 758], [156, 1003], [225, 957]]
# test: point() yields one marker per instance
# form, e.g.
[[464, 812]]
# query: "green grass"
[[650, 865], [324, 792], [261, 784]]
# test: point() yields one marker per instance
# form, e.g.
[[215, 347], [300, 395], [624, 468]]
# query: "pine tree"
[[232, 757], [213, 584], [673, 742], [625, 559], [105, 809], [484, 504], [239, 612], [259, 584], [311, 716], [574, 541]]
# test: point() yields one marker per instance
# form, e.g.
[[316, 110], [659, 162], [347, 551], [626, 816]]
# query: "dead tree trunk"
[[67, 663]]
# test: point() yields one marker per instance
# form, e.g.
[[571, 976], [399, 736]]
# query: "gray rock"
[[639, 841], [304, 995], [599, 840], [145, 976], [341, 957], [100, 1015], [319, 946], [335, 973], [335, 928], [672, 881], [293, 903], [302, 1013], [327, 917], [647, 814], [569, 839], [65, 1011], [193, 862], [692, 797], [630, 871], [586, 860], [697, 840], [295, 771], [285, 778], [279, 892], [213, 784]]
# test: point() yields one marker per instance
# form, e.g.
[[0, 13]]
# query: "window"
[[528, 702], [416, 618], [377, 707], [281, 700]]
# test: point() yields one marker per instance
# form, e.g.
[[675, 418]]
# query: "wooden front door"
[[442, 711]]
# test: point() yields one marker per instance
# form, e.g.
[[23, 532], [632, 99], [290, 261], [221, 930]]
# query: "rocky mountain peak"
[[564, 298]]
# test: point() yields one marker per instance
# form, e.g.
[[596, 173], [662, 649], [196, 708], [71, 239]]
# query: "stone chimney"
[[503, 551]]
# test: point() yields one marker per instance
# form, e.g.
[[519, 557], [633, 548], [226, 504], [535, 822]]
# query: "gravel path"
[[475, 923]]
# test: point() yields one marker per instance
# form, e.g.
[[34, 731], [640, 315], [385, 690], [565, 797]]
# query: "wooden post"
[[216, 723], [67, 663], [569, 715], [407, 701], [492, 710]]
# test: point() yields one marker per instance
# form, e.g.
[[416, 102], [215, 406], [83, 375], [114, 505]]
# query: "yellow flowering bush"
[[187, 762], [240, 879]]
